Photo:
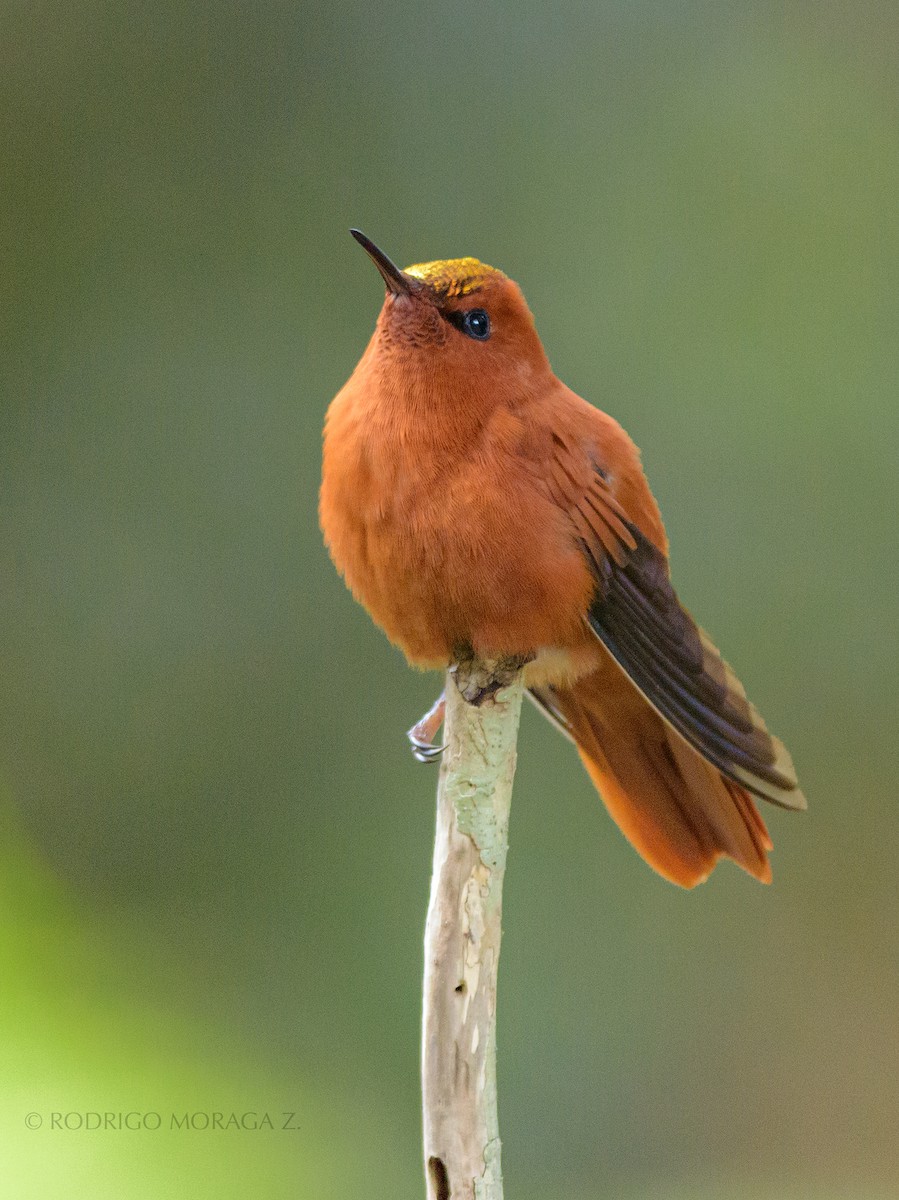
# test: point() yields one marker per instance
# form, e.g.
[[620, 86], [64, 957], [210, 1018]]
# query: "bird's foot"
[[479, 681], [423, 732]]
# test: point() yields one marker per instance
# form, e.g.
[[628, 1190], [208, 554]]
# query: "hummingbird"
[[479, 508]]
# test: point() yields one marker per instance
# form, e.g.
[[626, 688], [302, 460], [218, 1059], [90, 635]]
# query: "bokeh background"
[[214, 845]]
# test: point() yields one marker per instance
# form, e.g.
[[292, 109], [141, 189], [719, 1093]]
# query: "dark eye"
[[476, 324]]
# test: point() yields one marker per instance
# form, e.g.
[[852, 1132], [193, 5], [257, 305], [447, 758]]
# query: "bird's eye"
[[476, 324]]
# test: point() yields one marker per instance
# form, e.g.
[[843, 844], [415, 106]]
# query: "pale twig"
[[462, 939]]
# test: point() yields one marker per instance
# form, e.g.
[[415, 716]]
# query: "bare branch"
[[462, 939]]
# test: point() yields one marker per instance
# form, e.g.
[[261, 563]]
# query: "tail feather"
[[677, 810]]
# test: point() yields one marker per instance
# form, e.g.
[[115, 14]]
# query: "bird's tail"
[[677, 810]]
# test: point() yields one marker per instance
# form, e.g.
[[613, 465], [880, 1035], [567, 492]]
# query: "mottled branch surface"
[[462, 939]]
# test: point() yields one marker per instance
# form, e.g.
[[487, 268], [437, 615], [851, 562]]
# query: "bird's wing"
[[637, 616]]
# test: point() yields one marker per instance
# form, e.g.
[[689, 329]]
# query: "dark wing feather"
[[636, 614], [544, 699]]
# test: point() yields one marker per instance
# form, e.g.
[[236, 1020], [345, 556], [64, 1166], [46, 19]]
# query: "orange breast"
[[449, 547]]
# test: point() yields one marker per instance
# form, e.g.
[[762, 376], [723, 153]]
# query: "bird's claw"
[[425, 752], [422, 732]]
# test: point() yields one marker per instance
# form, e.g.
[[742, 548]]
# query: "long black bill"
[[397, 281]]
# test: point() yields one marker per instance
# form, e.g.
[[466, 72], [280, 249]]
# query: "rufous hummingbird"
[[477, 507]]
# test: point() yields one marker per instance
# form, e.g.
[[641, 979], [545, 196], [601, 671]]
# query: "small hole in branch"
[[461, 988], [439, 1178]]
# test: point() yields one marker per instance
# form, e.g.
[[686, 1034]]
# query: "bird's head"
[[462, 322]]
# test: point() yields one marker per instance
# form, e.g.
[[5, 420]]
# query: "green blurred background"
[[214, 844]]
